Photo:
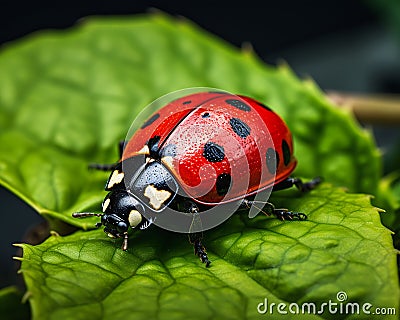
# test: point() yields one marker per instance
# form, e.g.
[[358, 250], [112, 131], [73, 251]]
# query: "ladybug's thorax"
[[143, 178], [152, 184]]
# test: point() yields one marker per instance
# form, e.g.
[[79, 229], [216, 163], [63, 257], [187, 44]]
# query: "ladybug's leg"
[[196, 238], [285, 214], [103, 166], [269, 209], [302, 186], [121, 146], [199, 249], [109, 166]]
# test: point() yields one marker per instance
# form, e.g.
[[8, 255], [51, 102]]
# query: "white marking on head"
[[134, 218], [105, 204], [156, 197], [115, 178], [144, 150]]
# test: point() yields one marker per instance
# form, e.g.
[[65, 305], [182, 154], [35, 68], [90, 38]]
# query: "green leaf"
[[68, 97], [389, 198], [341, 247], [11, 306]]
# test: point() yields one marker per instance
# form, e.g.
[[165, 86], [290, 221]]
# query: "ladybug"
[[201, 151]]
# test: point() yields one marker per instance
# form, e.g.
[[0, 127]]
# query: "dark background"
[[269, 27], [343, 45]]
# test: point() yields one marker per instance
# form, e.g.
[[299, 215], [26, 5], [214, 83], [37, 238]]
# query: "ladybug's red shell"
[[218, 146]]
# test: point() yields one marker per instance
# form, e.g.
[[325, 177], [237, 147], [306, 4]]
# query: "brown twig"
[[370, 108]]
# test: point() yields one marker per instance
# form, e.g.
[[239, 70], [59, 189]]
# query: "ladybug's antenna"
[[86, 214]]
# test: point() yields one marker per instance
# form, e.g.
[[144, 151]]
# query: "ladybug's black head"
[[120, 211]]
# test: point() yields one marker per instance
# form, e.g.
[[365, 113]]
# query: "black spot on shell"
[[153, 146], [238, 104], [286, 152], [239, 127], [213, 152], [149, 121], [187, 102], [169, 150], [272, 160], [223, 183], [205, 115]]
